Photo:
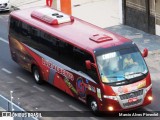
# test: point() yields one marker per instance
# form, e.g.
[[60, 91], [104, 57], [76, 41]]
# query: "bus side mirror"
[[88, 64], [145, 52]]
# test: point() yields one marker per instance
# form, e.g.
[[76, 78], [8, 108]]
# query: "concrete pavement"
[[23, 4], [98, 12], [142, 39]]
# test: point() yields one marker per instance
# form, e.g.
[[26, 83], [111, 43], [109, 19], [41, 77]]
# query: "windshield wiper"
[[136, 73], [118, 76], [121, 79]]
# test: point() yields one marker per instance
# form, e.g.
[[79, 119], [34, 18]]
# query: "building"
[[142, 14]]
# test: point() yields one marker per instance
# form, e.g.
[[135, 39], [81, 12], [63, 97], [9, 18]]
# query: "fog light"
[[150, 98], [110, 108]]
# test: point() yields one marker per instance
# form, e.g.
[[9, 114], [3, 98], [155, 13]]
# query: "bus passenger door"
[[86, 80]]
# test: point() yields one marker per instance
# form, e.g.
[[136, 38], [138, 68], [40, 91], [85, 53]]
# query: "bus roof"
[[78, 32]]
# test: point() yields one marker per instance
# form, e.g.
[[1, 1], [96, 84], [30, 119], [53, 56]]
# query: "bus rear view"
[[102, 69]]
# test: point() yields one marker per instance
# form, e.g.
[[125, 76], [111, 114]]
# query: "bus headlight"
[[110, 97], [110, 108], [150, 98]]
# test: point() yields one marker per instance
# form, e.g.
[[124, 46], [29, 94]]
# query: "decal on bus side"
[[81, 87], [91, 88], [58, 69], [70, 86]]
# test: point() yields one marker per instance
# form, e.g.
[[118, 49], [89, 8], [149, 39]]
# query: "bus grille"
[[132, 103], [131, 95]]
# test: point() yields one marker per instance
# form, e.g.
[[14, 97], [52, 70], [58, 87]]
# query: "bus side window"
[[17, 26], [66, 54], [55, 44], [46, 39], [47, 46], [35, 34], [80, 57], [14, 26], [93, 72], [24, 30]]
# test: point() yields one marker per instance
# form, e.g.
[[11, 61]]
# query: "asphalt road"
[[32, 97]]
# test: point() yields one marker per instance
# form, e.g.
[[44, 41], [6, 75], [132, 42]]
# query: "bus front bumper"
[[119, 105]]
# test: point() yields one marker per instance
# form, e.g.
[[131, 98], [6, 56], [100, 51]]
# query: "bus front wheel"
[[36, 75], [93, 106]]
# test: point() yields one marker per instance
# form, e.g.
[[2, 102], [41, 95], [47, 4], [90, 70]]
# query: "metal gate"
[[140, 14]]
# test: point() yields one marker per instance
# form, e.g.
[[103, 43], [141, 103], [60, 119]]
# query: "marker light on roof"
[[51, 16], [100, 38]]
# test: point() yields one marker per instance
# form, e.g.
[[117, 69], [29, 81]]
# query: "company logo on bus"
[[130, 100]]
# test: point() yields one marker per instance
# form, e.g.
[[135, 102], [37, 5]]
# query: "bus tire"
[[37, 75], [92, 103]]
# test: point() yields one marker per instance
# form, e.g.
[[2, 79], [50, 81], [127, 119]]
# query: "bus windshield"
[[120, 65]]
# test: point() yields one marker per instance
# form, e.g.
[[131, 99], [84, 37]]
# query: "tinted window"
[[51, 46], [66, 54], [14, 26]]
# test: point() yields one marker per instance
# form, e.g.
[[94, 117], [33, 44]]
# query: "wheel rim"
[[36, 75], [94, 105]]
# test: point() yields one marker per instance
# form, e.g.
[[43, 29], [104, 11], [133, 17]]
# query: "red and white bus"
[[100, 68]]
